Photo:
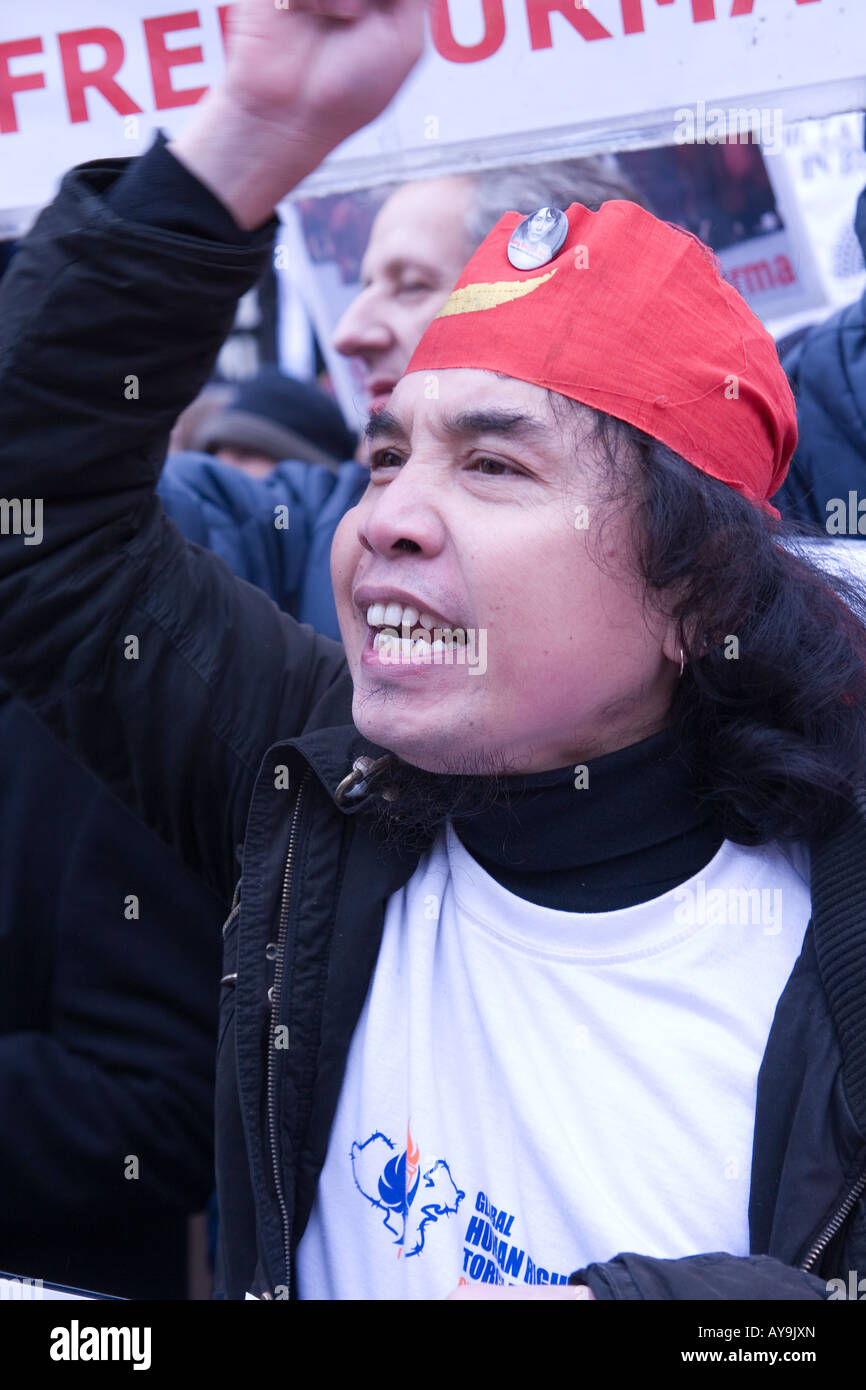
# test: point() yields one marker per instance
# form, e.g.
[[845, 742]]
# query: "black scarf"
[[633, 832]]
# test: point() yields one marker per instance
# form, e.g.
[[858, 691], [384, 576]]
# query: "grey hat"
[[279, 417]]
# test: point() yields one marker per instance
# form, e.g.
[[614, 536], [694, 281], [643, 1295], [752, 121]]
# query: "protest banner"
[[502, 80], [827, 163]]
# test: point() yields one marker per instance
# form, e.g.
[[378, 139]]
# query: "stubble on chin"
[[409, 804]]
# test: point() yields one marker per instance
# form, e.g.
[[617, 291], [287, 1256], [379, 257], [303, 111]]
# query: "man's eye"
[[492, 468], [383, 458], [415, 287]]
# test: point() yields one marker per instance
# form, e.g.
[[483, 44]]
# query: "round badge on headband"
[[632, 317], [538, 238]]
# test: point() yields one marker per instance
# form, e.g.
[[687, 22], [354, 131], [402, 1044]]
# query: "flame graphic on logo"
[[413, 1160], [413, 1157]]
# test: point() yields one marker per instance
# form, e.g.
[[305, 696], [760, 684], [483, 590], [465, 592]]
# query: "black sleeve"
[[109, 978], [710, 1276], [158, 191], [160, 670]]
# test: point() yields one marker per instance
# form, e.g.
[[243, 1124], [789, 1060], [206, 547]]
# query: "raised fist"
[[326, 66]]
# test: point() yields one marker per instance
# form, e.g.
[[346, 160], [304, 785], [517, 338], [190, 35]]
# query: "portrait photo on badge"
[[537, 239]]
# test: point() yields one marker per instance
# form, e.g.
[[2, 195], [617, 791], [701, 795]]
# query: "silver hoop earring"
[[682, 663]]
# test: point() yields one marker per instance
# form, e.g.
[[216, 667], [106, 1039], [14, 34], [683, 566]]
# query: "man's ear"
[[690, 636], [674, 640], [672, 647]]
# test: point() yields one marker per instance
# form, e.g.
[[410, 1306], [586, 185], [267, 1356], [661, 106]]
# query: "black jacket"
[[227, 691], [108, 1020]]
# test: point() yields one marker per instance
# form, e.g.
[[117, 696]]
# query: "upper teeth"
[[398, 615]]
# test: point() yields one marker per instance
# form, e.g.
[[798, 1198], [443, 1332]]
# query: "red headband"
[[631, 317]]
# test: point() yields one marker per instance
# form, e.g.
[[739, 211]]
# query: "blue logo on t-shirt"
[[394, 1182]]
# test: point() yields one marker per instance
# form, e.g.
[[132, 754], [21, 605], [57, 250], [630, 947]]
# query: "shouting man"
[[541, 972]]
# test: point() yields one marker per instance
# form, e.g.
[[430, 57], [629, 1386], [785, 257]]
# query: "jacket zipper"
[[233, 978], [275, 996], [231, 917], [834, 1225]]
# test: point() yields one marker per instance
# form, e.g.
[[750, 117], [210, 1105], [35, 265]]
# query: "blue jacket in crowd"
[[827, 371], [241, 519]]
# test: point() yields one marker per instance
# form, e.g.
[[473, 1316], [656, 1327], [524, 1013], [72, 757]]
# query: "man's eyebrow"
[[399, 265], [509, 422], [469, 423], [384, 425], [466, 425]]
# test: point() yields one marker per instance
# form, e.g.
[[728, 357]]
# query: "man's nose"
[[362, 329], [404, 515]]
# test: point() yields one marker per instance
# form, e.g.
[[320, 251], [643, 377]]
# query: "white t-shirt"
[[530, 1090]]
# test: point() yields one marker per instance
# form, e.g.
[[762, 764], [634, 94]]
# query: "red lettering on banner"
[[162, 59], [9, 85], [102, 78], [447, 45], [632, 13], [223, 12], [760, 276], [747, 6], [538, 13]]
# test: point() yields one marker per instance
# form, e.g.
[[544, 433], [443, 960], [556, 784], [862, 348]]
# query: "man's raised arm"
[[144, 654], [297, 84]]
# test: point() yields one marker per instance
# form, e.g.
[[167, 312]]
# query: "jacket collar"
[[344, 761]]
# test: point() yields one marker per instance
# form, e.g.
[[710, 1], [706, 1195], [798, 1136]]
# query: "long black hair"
[[770, 713], [773, 722]]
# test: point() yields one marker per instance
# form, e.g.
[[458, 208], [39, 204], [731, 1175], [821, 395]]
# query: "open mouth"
[[419, 645], [402, 632], [414, 646]]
